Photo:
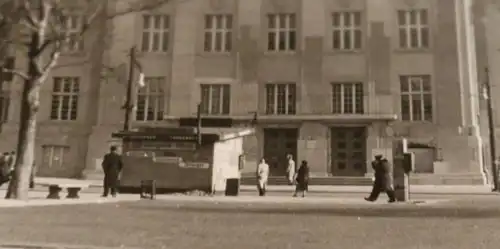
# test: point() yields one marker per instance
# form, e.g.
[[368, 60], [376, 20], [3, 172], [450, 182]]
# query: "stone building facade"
[[332, 81]]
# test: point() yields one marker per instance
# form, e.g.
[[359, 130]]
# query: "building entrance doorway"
[[278, 142], [348, 151]]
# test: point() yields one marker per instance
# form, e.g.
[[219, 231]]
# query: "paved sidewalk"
[[288, 200], [38, 198], [415, 189], [17, 245]]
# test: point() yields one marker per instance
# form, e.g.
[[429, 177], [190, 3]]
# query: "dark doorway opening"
[[278, 142], [348, 151]]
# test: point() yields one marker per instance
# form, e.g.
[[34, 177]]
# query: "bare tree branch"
[[138, 6], [30, 18], [52, 61], [46, 28], [16, 72]]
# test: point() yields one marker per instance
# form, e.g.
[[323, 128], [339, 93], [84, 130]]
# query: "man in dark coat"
[[5, 171], [383, 179], [302, 179], [111, 165], [32, 175]]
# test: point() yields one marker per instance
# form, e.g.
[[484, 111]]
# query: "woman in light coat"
[[290, 169], [262, 176]]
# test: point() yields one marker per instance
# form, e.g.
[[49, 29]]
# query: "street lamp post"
[[491, 131], [129, 105]]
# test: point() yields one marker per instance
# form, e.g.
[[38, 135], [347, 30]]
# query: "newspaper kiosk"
[[177, 161]]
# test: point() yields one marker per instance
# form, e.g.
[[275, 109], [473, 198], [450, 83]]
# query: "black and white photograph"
[[253, 124]]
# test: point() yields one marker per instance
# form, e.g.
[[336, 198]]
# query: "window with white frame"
[[346, 30], [347, 98], [65, 93], [413, 29], [281, 98], [218, 33], [150, 103], [155, 33], [215, 99], [416, 98], [54, 156], [282, 32], [74, 25]]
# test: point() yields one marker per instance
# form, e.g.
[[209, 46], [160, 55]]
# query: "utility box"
[[402, 162], [172, 158]]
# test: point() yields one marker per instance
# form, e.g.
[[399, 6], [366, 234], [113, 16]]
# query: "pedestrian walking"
[[302, 179], [32, 175], [383, 179], [5, 171], [112, 165], [12, 160], [290, 170], [262, 176]]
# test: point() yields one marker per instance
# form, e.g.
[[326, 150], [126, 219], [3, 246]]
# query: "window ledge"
[[59, 122], [215, 115], [340, 52], [74, 53], [149, 122], [142, 54], [417, 122], [280, 53], [413, 50], [214, 54]]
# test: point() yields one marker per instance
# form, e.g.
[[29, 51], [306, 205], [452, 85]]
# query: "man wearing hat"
[[111, 165], [383, 179]]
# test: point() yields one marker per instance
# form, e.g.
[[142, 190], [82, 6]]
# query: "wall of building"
[[248, 67], [486, 20]]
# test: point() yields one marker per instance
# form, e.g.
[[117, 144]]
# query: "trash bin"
[[232, 187], [148, 189]]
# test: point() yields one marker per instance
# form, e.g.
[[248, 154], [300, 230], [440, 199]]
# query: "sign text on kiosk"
[[194, 165]]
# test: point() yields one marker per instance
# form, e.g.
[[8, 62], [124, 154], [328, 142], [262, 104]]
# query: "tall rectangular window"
[[218, 33], [65, 93], [5, 89], [74, 25], [347, 98], [416, 98], [5, 101], [215, 99], [282, 32], [155, 33], [346, 30], [413, 29], [150, 103], [54, 156], [281, 99]]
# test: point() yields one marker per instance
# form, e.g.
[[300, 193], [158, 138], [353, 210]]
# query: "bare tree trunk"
[[19, 184]]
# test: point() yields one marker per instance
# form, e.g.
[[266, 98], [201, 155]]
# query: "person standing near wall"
[[112, 165], [290, 170], [4, 168], [32, 175], [262, 176], [12, 160], [302, 178]]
